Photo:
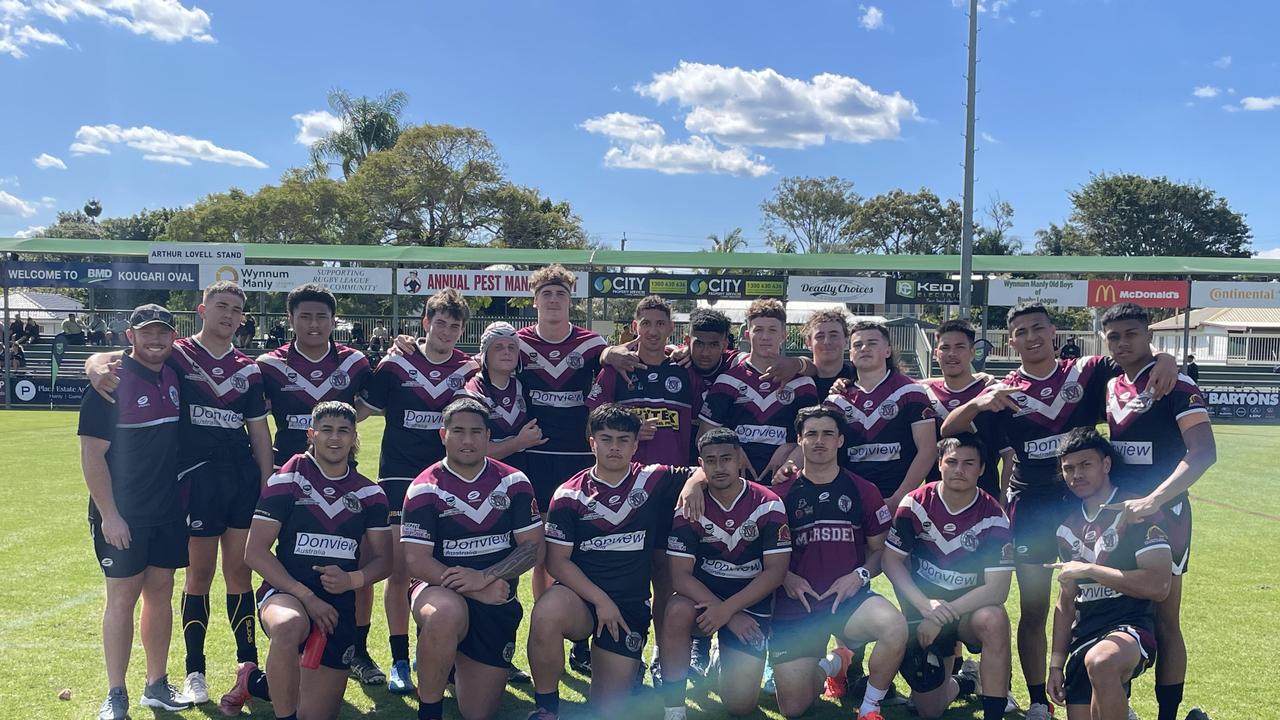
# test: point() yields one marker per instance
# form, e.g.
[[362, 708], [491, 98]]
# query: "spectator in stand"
[[279, 333], [32, 335], [378, 340], [74, 331], [116, 330], [97, 330], [248, 330], [357, 336], [1069, 350], [16, 329], [1192, 370], [17, 358]]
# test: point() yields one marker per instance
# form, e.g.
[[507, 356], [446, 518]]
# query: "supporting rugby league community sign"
[[1235, 294], [933, 291], [493, 283], [845, 289], [133, 276], [687, 287], [1062, 293], [1147, 293], [283, 278]]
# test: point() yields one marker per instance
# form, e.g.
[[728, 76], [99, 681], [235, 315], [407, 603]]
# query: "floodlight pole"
[[966, 227]]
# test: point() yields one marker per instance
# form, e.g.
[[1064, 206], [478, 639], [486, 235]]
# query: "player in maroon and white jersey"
[[324, 519], [1036, 406], [761, 411], [838, 525], [957, 386], [1162, 448], [471, 528], [950, 559], [1111, 576], [887, 416], [600, 536], [726, 567], [498, 387], [411, 391]]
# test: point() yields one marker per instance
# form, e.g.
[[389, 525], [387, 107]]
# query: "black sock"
[[1169, 697], [674, 691], [855, 666], [967, 686], [362, 641], [548, 701], [993, 707], [399, 648], [258, 686], [956, 663], [430, 710], [240, 609], [1037, 694], [195, 623]]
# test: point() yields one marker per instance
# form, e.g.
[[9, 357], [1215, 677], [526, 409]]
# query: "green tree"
[[525, 219], [901, 222], [1064, 239], [994, 236], [74, 224], [809, 215], [144, 225], [1146, 216], [368, 125], [731, 242]]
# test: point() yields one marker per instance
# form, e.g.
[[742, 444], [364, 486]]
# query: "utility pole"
[[966, 228]]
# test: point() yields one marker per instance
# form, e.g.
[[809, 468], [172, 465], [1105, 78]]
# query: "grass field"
[[51, 600]]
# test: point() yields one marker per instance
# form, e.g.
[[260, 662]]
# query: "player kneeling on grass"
[[838, 523], [320, 515], [725, 568], [1111, 577], [950, 559], [471, 528]]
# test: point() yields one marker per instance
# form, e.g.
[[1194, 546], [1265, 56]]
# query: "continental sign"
[[1235, 294], [686, 287], [1147, 293]]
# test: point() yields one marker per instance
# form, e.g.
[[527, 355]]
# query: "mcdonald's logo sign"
[[1147, 293]]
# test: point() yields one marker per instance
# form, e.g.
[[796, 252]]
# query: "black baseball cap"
[[150, 313]]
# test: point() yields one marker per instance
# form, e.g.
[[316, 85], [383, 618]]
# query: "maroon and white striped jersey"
[[878, 443], [295, 384], [558, 376]]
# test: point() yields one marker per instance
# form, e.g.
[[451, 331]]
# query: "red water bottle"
[[314, 648]]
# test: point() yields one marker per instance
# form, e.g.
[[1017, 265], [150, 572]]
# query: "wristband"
[[864, 574]]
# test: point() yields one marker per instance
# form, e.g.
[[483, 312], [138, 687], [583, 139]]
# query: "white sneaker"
[[1039, 711], [196, 688]]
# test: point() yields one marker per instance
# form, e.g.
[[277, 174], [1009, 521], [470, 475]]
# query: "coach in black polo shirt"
[[128, 451]]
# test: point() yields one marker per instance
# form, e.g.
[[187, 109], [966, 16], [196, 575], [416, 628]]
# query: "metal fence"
[[1090, 343]]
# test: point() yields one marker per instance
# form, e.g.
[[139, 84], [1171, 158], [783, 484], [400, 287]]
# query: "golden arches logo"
[[1105, 294]]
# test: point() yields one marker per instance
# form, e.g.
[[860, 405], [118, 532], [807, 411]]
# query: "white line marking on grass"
[[26, 621]]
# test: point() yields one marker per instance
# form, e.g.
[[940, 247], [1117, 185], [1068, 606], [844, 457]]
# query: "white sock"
[[871, 701], [831, 664], [676, 713]]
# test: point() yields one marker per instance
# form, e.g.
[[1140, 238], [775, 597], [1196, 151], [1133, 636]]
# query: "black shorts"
[[1034, 521], [491, 629], [219, 496], [636, 615], [161, 546], [1076, 676], [1177, 525], [341, 645], [922, 667], [547, 472], [396, 489], [808, 636], [729, 641]]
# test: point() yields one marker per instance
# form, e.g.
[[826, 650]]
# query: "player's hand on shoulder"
[[623, 358], [680, 356], [103, 376], [1164, 376], [998, 400], [840, 386], [783, 371], [691, 503], [403, 345]]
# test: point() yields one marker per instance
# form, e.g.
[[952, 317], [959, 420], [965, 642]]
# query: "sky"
[[666, 121]]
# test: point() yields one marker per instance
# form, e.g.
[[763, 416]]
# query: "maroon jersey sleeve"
[[524, 505], [603, 389], [683, 540], [775, 533], [1186, 398], [718, 403], [562, 515], [876, 518], [376, 510], [902, 537], [277, 501], [418, 519]]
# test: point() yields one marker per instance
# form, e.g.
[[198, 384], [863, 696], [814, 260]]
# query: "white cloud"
[[164, 20], [1205, 91], [158, 146], [315, 125], [14, 38], [989, 138], [45, 161], [626, 127], [30, 232], [767, 109], [1036, 13], [639, 143], [872, 17], [1223, 62], [1231, 91], [48, 201], [1272, 253], [1260, 103], [10, 205]]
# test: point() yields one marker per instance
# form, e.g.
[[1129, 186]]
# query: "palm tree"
[[368, 125], [731, 242]]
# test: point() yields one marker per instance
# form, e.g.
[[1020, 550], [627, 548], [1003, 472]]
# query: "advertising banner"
[[1235, 294], [493, 283], [1248, 404], [196, 253], [1147, 293], [687, 287], [134, 276], [283, 278], [41, 391], [936, 290], [847, 289], [1063, 293]]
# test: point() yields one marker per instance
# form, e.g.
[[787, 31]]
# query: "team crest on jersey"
[[239, 383], [352, 503], [575, 360], [1155, 534], [1110, 539], [673, 384], [785, 396], [553, 530], [596, 391], [455, 382], [1072, 392], [637, 498], [845, 503], [784, 534], [888, 410], [1195, 401], [508, 652], [339, 379], [749, 531], [173, 394], [969, 541], [499, 501], [1142, 403], [634, 641]]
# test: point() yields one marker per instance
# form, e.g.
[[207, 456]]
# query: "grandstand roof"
[[1226, 319]]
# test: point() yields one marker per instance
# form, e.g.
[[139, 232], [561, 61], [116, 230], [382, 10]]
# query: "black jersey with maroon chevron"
[[469, 523], [943, 400], [412, 393], [830, 523], [1145, 435], [762, 412], [878, 442], [322, 519], [219, 395], [558, 376], [1102, 540], [611, 528], [951, 551], [295, 384], [667, 393], [728, 544], [1069, 397]]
